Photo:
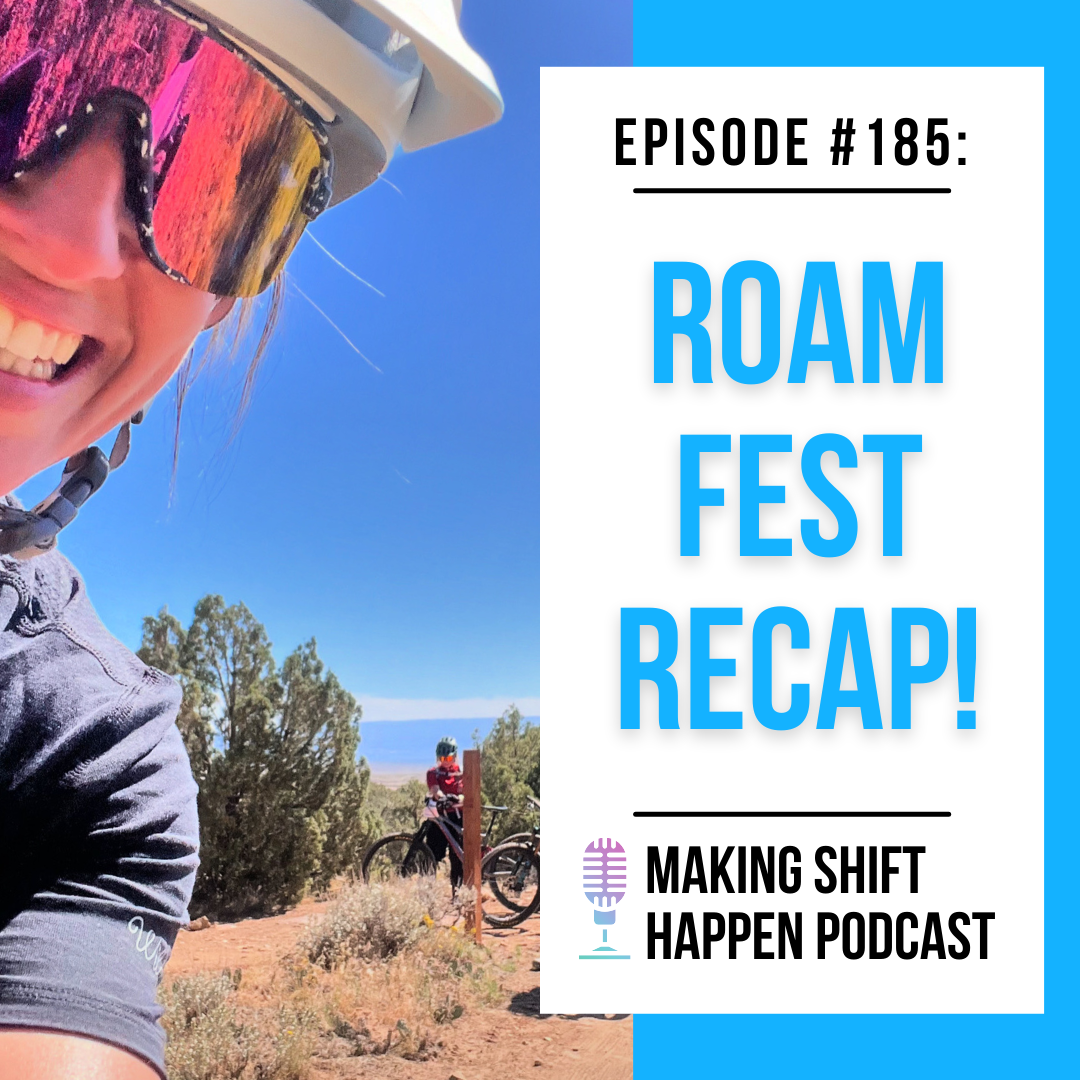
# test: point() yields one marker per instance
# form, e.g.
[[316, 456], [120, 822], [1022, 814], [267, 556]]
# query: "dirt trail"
[[510, 1043]]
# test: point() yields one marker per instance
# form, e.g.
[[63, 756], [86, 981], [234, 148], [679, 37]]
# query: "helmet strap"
[[26, 533]]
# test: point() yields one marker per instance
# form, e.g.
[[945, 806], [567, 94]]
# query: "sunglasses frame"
[[139, 155]]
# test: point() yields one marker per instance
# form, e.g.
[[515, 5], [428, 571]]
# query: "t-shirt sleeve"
[[86, 934]]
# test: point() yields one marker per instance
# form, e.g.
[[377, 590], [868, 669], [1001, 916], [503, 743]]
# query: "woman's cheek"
[[167, 318]]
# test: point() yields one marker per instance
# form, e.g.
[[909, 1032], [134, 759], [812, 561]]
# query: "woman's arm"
[[50, 1055], [99, 832], [83, 952]]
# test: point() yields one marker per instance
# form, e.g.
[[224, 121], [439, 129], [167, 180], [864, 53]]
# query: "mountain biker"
[[158, 163], [446, 789]]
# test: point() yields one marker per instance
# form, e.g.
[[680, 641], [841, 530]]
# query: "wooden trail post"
[[472, 826]]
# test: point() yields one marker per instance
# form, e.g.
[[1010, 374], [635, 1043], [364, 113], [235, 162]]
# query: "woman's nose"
[[67, 222]]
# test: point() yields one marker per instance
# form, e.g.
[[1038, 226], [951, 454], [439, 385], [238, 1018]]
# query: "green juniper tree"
[[510, 768], [274, 751], [400, 809]]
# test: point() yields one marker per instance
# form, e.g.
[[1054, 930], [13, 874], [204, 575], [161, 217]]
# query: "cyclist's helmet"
[[447, 746]]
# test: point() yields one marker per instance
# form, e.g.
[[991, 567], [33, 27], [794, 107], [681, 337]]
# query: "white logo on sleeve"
[[150, 945]]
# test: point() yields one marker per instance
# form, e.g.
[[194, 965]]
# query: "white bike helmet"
[[379, 72]]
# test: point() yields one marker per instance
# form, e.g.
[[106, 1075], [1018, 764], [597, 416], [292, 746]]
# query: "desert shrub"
[[384, 972], [459, 905], [510, 762], [206, 1042], [211, 1037], [395, 944], [294, 1035], [372, 922], [456, 973], [274, 751], [402, 1005]]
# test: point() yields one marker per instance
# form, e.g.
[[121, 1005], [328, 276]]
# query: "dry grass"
[[206, 1040], [382, 972], [372, 922]]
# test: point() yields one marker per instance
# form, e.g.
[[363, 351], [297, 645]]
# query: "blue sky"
[[391, 514]]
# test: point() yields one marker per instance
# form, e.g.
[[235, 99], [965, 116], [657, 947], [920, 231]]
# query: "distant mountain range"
[[390, 744]]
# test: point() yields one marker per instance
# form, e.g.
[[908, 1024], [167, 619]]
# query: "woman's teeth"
[[32, 350]]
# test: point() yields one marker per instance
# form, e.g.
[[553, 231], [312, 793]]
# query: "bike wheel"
[[502, 879], [396, 856], [517, 838], [512, 873]]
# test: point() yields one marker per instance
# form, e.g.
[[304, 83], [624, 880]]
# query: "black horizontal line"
[[791, 813], [792, 191]]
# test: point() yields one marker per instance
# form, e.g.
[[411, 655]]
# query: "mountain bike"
[[515, 881], [406, 854], [511, 871], [531, 837]]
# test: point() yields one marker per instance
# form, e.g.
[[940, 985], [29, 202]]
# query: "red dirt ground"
[[510, 1043]]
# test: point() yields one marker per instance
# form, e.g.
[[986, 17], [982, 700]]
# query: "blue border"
[[785, 33]]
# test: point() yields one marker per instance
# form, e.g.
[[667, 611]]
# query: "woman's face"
[[71, 264]]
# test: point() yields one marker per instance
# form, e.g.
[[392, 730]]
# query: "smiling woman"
[[71, 264], [156, 164]]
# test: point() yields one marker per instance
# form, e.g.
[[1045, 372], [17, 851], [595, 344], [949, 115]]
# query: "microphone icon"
[[604, 879]]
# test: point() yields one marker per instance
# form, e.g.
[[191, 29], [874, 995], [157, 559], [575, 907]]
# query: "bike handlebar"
[[458, 800]]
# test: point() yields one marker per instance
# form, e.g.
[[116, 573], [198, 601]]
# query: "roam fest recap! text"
[[860, 869]]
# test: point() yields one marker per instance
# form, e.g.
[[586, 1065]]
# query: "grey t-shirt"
[[98, 827]]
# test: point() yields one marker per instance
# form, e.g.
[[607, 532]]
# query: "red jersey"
[[447, 778]]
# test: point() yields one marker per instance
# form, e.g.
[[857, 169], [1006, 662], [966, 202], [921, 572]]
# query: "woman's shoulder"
[[46, 596], [73, 699]]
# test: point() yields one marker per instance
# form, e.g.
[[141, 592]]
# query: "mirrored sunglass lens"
[[232, 159], [58, 55], [233, 162], [18, 84]]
